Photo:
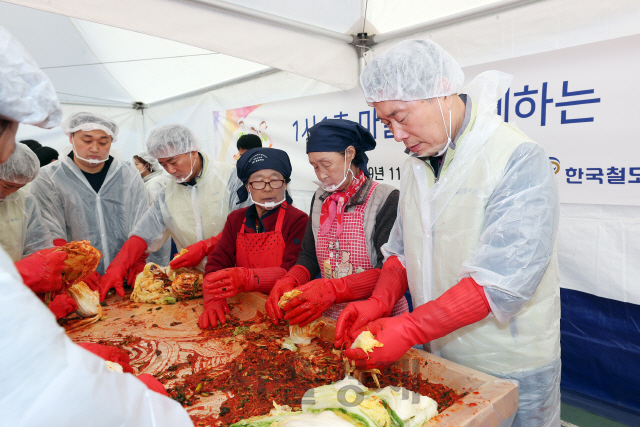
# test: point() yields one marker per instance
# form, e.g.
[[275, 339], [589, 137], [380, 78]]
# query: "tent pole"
[[475, 13], [98, 104], [220, 85], [274, 19], [362, 42]]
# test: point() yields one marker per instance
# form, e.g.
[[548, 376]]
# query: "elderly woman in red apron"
[[351, 218], [259, 243]]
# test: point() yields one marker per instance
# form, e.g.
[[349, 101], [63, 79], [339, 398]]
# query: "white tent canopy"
[[301, 37], [151, 62], [99, 64]]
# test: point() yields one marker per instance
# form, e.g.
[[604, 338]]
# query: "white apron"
[[12, 228], [450, 214], [194, 213]]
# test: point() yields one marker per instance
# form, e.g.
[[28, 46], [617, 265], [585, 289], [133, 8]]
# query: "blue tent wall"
[[601, 355]]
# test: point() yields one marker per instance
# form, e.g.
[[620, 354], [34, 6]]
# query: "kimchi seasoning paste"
[[264, 372]]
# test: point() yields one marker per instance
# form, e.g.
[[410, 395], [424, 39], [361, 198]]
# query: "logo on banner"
[[556, 164]]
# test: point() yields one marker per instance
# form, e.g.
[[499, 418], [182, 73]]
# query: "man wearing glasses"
[[259, 243]]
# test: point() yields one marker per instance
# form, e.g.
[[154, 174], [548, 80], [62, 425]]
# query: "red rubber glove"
[[136, 269], [226, 283], [392, 285], [121, 357], [318, 295], [214, 311], [130, 252], [112, 354], [297, 276], [92, 281], [59, 242], [62, 306], [462, 305], [42, 270], [152, 383], [195, 253]]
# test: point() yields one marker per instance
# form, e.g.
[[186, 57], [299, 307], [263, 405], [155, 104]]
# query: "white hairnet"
[[411, 70], [171, 140], [26, 93], [88, 122], [22, 167], [153, 162]]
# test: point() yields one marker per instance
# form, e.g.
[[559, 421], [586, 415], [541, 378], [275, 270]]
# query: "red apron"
[[261, 250], [347, 254]]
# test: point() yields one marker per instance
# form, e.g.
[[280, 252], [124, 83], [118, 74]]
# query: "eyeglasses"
[[260, 185]]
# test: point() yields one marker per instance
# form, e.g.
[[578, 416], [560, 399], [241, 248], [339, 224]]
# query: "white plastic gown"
[[493, 216], [72, 210], [155, 183], [188, 213], [22, 230], [47, 380]]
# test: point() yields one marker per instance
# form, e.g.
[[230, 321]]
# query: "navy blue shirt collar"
[[255, 222]]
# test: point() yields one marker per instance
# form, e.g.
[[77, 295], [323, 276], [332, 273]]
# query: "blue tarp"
[[601, 349]]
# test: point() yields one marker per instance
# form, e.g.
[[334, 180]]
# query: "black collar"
[[255, 222]]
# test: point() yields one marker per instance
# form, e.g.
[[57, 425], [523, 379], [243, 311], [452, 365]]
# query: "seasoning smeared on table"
[[265, 372]]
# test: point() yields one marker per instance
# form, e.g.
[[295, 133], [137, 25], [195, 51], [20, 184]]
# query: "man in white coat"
[[476, 229], [89, 194], [47, 379], [192, 208]]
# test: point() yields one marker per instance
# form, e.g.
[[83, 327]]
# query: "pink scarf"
[[333, 206]]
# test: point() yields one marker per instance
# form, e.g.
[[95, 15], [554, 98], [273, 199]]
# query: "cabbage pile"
[[348, 403], [162, 285]]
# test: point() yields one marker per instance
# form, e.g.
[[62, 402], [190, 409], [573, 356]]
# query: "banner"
[[578, 103], [284, 125]]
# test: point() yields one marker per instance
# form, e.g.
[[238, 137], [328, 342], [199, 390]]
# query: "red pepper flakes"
[[264, 372]]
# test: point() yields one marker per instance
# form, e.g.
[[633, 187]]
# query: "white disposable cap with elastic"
[[22, 167], [409, 71], [90, 121], [172, 140]]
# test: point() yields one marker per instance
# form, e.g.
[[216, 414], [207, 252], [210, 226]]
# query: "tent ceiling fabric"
[[334, 15], [128, 67], [387, 16], [161, 50], [533, 28], [196, 24]]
